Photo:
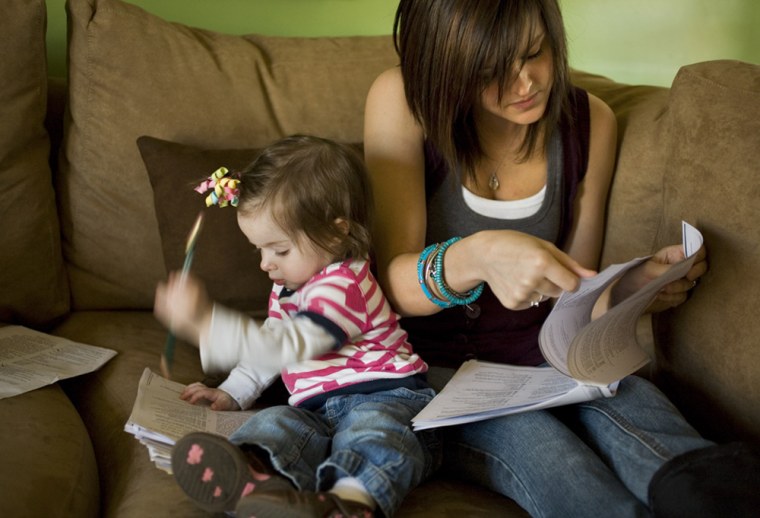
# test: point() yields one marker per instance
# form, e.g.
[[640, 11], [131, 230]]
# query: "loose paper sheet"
[[30, 359], [482, 390]]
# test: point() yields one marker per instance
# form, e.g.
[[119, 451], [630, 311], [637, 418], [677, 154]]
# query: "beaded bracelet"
[[424, 264], [454, 297], [430, 266]]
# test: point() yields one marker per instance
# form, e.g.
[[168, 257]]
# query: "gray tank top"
[[449, 215], [492, 332]]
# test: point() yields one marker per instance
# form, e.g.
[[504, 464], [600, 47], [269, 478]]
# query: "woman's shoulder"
[[390, 126], [599, 111], [389, 81], [387, 95]]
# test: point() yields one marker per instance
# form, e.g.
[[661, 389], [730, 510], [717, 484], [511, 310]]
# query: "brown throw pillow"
[[224, 259]]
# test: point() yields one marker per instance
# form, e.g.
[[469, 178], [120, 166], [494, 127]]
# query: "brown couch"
[[91, 223]]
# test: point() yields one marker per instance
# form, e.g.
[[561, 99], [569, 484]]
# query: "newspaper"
[[586, 358], [30, 359], [159, 417]]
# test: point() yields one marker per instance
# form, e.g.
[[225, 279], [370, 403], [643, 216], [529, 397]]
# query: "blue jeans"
[[366, 436], [589, 459]]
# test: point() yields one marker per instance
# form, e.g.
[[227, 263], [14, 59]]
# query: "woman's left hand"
[[674, 293]]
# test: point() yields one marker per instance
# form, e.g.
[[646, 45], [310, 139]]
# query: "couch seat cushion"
[[48, 464], [132, 485]]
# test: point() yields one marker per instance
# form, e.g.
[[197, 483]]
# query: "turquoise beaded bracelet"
[[422, 275], [454, 297], [432, 257]]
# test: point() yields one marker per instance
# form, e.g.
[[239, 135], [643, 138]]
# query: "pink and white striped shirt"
[[336, 330]]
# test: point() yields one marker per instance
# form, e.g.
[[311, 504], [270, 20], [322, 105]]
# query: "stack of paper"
[[159, 418]]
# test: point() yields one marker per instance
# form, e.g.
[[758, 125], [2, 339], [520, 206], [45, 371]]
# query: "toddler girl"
[[344, 445]]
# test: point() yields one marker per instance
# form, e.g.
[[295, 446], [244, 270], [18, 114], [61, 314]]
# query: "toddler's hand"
[[198, 393], [182, 305]]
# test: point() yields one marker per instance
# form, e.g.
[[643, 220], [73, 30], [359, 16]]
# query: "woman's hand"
[[672, 294], [183, 306], [198, 393], [523, 270]]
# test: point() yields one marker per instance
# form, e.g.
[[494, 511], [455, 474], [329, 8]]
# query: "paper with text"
[[159, 417], [482, 390], [30, 359], [606, 350]]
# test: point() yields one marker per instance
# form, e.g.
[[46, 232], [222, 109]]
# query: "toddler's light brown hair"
[[312, 185]]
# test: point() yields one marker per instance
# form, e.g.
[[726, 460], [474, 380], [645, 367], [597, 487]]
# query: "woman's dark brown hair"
[[446, 45], [316, 188]]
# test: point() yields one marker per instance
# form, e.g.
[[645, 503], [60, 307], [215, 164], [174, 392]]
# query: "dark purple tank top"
[[493, 332]]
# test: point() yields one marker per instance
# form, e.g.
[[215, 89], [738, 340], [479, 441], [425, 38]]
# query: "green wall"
[[632, 41]]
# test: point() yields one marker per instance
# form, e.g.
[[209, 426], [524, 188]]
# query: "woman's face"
[[524, 100]]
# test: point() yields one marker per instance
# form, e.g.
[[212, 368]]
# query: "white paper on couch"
[[587, 358], [30, 359]]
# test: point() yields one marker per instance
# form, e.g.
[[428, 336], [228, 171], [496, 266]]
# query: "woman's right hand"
[[519, 268]]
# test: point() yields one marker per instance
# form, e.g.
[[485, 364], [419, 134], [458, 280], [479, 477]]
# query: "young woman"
[[491, 174]]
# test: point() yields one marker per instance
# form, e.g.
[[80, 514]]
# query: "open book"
[[159, 418], [587, 358]]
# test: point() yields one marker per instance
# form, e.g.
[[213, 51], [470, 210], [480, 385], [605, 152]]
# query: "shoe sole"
[[213, 472]]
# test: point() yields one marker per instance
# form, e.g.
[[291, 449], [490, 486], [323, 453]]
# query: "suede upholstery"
[[190, 86], [688, 152], [33, 286]]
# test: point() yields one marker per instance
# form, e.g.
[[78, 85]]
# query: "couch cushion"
[[132, 485], [186, 85], [48, 466], [224, 259], [708, 355], [34, 286]]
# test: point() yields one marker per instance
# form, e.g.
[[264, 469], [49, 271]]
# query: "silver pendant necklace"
[[493, 180]]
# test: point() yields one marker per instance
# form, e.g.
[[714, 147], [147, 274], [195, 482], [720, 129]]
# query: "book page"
[[606, 349], [30, 359], [572, 312], [160, 414], [481, 390], [159, 418]]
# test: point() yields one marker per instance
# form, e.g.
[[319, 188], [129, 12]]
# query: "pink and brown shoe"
[[299, 504], [215, 473]]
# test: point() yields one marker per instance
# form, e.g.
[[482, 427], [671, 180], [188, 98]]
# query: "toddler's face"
[[287, 262]]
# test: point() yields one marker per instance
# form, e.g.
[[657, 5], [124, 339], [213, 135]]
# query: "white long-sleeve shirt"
[[334, 331]]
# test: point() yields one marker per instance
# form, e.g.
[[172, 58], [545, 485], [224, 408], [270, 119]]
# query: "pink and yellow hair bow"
[[224, 189]]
